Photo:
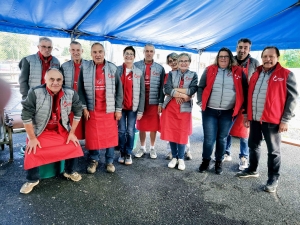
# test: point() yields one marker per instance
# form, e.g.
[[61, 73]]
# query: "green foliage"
[[13, 46], [290, 58]]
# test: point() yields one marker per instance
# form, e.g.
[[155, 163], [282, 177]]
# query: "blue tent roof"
[[184, 25]]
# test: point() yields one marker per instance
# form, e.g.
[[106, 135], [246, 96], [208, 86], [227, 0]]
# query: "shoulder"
[[111, 65], [66, 63]]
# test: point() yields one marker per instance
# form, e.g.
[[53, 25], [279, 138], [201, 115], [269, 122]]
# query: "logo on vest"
[[66, 104], [111, 76], [188, 78], [275, 78], [154, 73], [136, 76], [237, 76], [54, 65]]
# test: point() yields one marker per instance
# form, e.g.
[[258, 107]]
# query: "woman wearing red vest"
[[220, 95]]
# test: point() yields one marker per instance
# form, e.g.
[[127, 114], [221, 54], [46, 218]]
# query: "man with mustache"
[[272, 98]]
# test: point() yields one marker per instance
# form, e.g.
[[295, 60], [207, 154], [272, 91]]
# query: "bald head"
[[54, 80]]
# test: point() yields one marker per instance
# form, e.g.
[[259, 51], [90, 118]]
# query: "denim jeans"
[[33, 174], [109, 155], [126, 126], [177, 150], [244, 150], [216, 127], [273, 141]]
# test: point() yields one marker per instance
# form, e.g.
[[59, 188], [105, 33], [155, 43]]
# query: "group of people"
[[104, 104]]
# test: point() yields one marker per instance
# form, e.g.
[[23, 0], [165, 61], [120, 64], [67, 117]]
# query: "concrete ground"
[[148, 192]]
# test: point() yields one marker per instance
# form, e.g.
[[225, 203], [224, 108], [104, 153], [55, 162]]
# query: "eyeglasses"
[[46, 47], [129, 54], [223, 56], [171, 61], [183, 61]]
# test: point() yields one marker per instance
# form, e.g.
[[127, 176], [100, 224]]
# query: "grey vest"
[[35, 73], [259, 95], [89, 72], [43, 101], [176, 77], [223, 91], [136, 83], [252, 66], [68, 71], [156, 83]]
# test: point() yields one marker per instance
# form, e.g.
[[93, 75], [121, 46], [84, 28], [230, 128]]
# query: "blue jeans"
[[177, 150], [126, 126], [216, 127], [273, 141], [244, 150], [33, 174], [109, 155]]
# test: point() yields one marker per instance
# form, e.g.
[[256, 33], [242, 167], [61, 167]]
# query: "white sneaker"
[[227, 158], [181, 165], [153, 153], [140, 153], [169, 156], [188, 155], [121, 159], [27, 187], [172, 163], [243, 163]]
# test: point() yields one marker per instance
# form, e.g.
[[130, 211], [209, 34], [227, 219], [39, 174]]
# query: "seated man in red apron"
[[45, 116]]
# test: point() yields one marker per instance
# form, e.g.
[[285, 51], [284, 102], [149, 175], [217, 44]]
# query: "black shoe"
[[247, 173], [271, 185], [204, 165], [218, 167]]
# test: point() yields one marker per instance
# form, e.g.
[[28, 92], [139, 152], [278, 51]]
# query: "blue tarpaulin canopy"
[[182, 25]]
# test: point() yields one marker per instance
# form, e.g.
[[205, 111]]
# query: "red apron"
[[150, 119], [54, 149], [176, 126], [238, 129], [101, 130]]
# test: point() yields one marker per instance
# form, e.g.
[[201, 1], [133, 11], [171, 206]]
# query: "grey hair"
[[185, 54], [75, 43], [53, 68], [97, 43], [172, 55], [44, 39], [150, 45]]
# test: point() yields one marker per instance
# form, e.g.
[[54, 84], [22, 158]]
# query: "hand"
[[185, 97], [118, 115], [283, 127], [139, 117], [72, 137], [86, 114], [159, 110], [179, 100], [31, 145], [246, 122]]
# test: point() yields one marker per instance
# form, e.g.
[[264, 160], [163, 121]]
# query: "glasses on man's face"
[[129, 54], [183, 61], [172, 61], [223, 56], [46, 47]]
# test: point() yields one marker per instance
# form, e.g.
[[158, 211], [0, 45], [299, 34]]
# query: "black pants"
[[273, 141], [33, 174]]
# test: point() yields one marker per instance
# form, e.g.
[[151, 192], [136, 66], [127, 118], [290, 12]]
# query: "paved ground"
[[148, 192]]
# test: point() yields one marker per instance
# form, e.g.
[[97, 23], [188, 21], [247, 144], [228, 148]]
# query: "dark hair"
[[172, 55], [232, 61], [271, 47], [75, 43], [97, 43], [129, 48], [245, 40]]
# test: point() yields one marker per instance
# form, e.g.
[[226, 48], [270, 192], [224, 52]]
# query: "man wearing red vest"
[[272, 98], [248, 64]]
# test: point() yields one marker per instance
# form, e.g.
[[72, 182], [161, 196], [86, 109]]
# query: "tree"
[[290, 58], [14, 46]]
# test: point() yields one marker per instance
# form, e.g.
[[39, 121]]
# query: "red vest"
[[237, 74], [275, 96]]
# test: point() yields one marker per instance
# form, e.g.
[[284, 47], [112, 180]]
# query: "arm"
[[24, 77], [118, 97], [201, 86], [82, 95], [142, 98], [291, 99], [161, 93], [245, 92], [63, 73]]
